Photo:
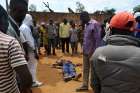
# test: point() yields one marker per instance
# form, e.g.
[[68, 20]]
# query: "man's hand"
[[36, 54]]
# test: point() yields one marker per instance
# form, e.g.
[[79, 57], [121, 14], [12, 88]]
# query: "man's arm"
[[60, 30], [25, 47], [97, 35], [24, 75], [19, 63]]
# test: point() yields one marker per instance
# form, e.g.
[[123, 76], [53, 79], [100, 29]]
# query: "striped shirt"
[[11, 56]]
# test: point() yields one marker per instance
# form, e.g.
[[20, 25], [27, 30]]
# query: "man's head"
[[3, 20], [122, 23], [50, 22], [84, 17], [18, 10], [65, 21]]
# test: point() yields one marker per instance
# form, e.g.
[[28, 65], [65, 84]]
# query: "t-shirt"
[[73, 35], [51, 29], [64, 30], [11, 56]]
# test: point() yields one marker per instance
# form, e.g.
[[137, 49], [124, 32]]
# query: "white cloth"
[[32, 65], [22, 38], [26, 31]]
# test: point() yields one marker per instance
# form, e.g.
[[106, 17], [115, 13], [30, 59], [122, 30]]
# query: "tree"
[[32, 8], [109, 11], [136, 8], [80, 7], [112, 11]]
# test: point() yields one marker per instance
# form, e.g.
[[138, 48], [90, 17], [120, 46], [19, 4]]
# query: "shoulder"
[[24, 28], [6, 37], [97, 52], [61, 24]]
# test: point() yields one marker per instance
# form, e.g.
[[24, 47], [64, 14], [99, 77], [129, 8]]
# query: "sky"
[[90, 5]]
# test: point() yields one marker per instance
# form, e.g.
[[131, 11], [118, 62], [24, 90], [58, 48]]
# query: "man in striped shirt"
[[12, 60]]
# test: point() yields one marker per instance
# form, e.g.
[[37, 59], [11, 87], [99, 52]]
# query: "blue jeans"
[[69, 69]]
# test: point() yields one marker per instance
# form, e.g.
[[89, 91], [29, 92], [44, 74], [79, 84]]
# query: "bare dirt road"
[[52, 77]]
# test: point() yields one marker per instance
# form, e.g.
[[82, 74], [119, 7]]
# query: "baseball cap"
[[122, 20]]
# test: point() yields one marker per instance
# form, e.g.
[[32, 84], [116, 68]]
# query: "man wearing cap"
[[92, 40], [116, 66]]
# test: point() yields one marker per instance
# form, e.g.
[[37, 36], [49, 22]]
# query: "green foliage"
[[136, 8], [32, 8], [80, 7], [110, 11]]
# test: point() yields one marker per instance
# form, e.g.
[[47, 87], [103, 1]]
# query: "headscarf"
[[28, 20]]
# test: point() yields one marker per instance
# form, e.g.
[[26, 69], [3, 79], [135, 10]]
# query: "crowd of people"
[[110, 51], [60, 35]]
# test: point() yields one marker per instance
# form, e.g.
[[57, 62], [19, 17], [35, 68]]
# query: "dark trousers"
[[65, 41], [51, 45], [58, 42]]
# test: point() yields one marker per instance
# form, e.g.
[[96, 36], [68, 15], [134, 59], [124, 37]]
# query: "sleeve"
[[97, 35], [22, 38], [16, 54], [60, 31], [87, 41]]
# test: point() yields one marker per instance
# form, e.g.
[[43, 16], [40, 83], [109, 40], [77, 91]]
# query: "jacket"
[[116, 67]]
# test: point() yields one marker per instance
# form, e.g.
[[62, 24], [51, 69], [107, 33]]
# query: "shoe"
[[37, 84], [82, 88]]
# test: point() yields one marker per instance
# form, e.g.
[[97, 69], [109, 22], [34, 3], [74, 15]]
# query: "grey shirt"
[[51, 29]]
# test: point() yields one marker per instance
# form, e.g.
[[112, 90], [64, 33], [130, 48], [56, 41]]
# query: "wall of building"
[[58, 17]]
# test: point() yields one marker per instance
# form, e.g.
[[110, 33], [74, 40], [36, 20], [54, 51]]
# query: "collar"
[[123, 40]]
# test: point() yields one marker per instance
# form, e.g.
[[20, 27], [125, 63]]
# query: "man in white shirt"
[[32, 62]]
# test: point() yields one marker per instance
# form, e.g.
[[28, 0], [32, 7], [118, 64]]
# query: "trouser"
[[58, 43], [46, 49], [32, 65], [86, 69], [69, 69], [74, 46], [65, 41], [51, 45]]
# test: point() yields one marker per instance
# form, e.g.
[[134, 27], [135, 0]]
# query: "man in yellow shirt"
[[64, 35]]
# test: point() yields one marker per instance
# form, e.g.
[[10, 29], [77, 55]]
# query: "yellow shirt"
[[64, 30]]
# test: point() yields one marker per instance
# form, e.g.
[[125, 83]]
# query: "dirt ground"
[[52, 77]]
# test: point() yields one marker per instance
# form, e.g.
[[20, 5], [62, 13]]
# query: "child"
[[73, 39]]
